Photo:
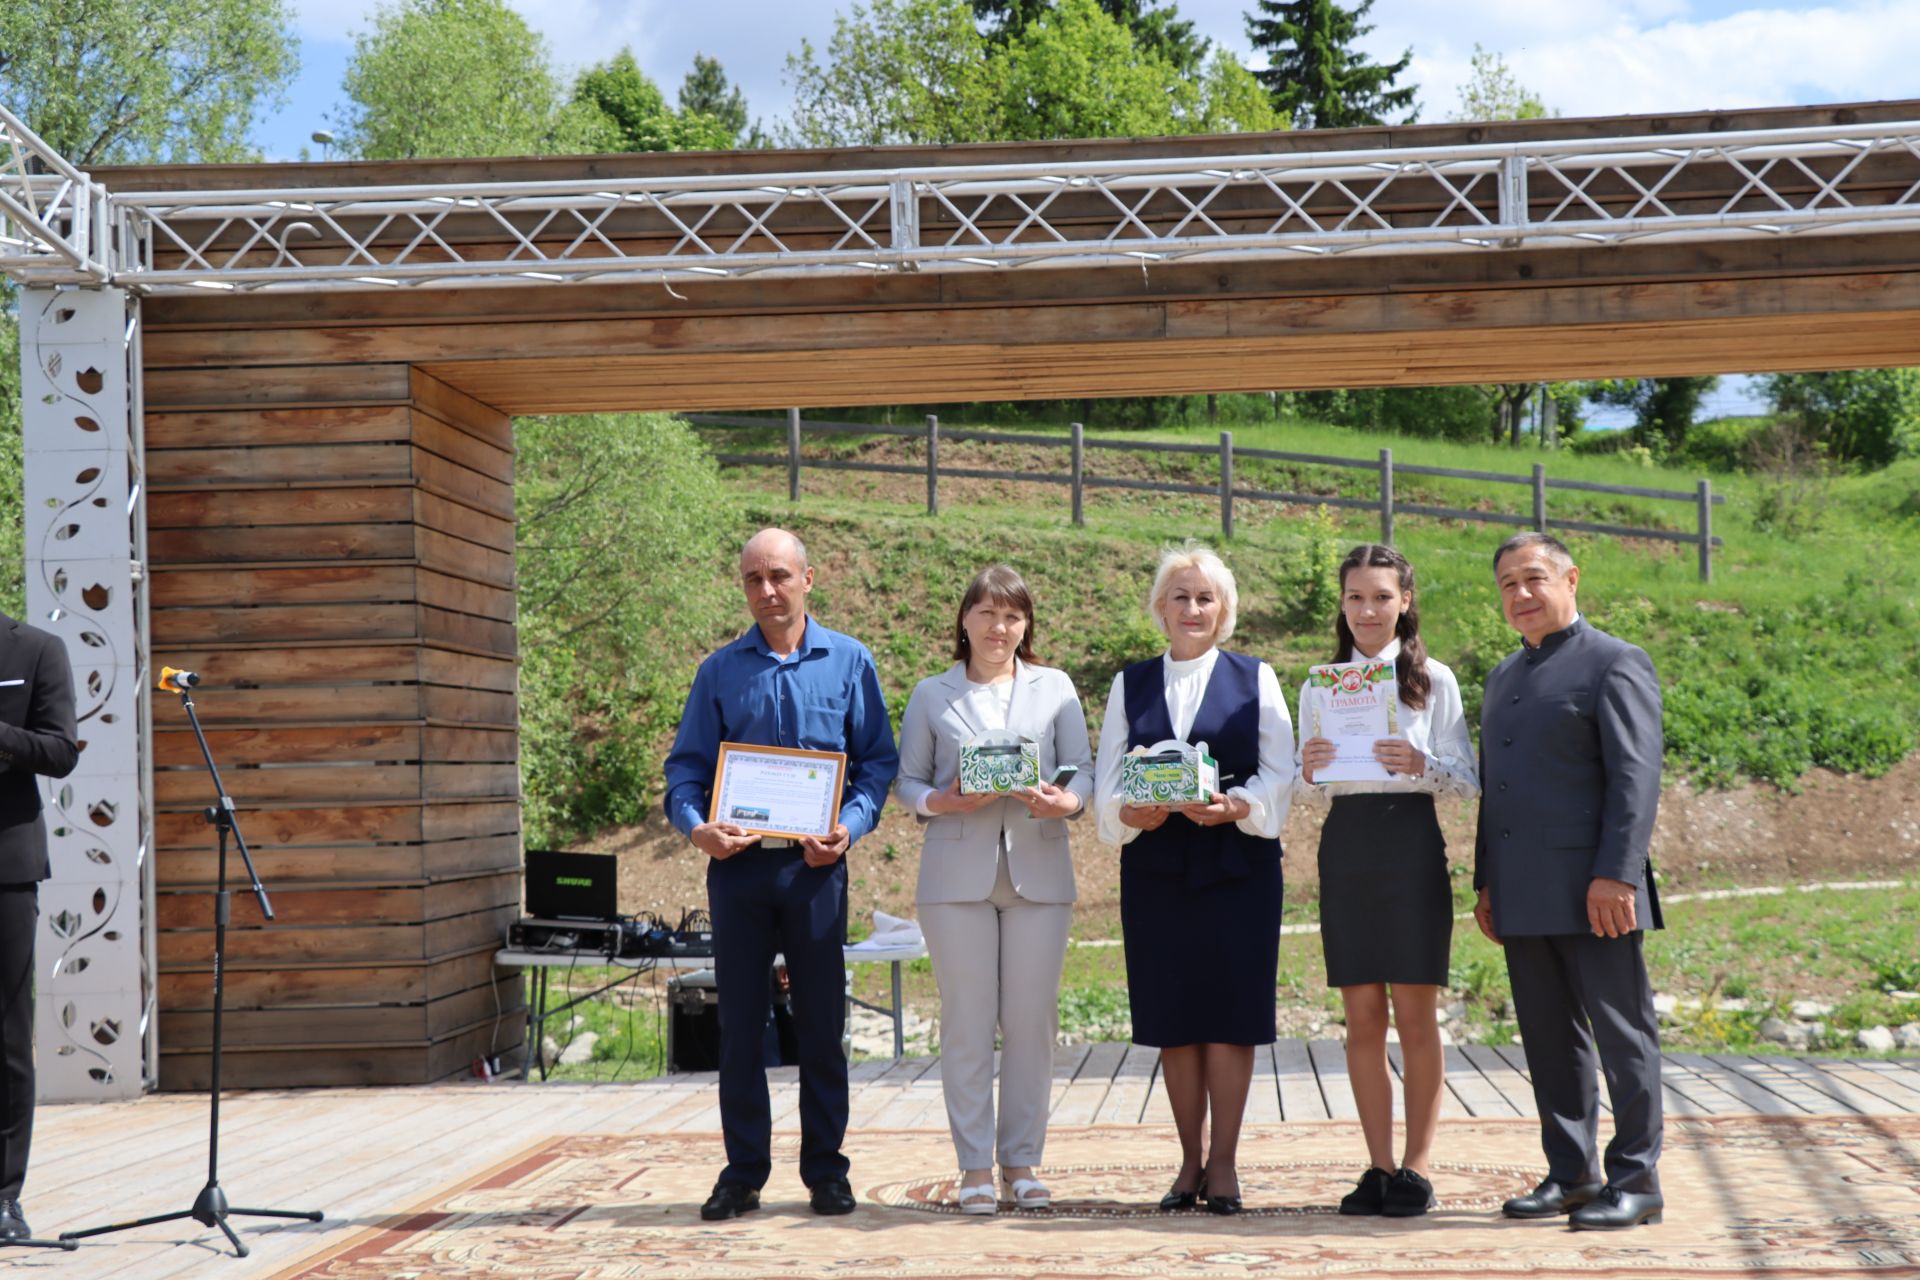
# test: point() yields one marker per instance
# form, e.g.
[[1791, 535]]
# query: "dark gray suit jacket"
[[37, 736], [1570, 750]]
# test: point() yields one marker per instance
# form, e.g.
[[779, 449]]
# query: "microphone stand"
[[210, 1208]]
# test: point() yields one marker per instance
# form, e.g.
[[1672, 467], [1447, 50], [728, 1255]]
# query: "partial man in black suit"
[[37, 737], [1570, 751]]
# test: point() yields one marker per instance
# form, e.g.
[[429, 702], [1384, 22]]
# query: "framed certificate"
[[778, 791]]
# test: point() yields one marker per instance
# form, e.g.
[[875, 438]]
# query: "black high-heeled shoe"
[[1225, 1206], [1174, 1201]]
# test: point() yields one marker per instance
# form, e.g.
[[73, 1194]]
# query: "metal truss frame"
[[53, 218], [1761, 183]]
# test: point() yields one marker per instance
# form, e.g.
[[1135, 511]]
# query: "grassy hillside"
[[1801, 653]]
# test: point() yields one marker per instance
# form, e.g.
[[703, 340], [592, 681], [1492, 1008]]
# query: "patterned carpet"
[[1745, 1195]]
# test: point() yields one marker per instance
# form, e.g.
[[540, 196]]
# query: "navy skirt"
[[1201, 962], [1386, 907]]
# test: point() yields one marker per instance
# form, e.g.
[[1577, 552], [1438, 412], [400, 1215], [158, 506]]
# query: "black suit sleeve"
[[49, 742], [1632, 741]]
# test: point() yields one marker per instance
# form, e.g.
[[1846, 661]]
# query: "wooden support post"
[[793, 455], [1079, 474], [1705, 500], [1386, 496], [1539, 498], [1226, 484], [933, 465]]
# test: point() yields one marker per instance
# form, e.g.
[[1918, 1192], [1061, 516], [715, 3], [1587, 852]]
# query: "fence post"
[[1706, 530], [1226, 484], [933, 465], [1079, 473], [1539, 498], [1386, 496], [793, 455]]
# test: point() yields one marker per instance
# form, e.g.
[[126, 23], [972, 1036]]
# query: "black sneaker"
[[1369, 1195], [1408, 1195]]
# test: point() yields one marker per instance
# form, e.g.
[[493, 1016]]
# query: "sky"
[[1581, 57]]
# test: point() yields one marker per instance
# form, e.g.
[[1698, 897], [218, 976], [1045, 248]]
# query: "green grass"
[[1798, 655]]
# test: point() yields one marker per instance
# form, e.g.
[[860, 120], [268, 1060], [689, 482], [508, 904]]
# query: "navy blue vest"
[[1228, 721]]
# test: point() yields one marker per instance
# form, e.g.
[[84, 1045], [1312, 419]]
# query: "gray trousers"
[[998, 963], [1574, 994]]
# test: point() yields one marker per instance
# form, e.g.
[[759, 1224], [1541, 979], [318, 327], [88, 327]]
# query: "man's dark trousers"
[[19, 913], [765, 901], [1554, 978]]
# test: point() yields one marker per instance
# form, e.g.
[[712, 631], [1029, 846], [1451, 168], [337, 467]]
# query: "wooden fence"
[[1078, 481]]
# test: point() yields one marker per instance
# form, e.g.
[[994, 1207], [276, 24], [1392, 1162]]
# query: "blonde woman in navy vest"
[[1386, 905], [1200, 883]]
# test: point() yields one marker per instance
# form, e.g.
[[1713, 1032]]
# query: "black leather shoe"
[[1176, 1200], [1550, 1199], [1616, 1210], [13, 1222], [729, 1200], [1225, 1206], [1369, 1195], [834, 1196], [1408, 1196]]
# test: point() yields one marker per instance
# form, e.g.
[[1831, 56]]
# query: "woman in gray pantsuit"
[[996, 883]]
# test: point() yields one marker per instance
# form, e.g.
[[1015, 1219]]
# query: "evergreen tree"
[[1315, 74], [1160, 32], [707, 92]]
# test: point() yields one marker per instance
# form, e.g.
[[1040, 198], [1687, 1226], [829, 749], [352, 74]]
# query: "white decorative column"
[[85, 534]]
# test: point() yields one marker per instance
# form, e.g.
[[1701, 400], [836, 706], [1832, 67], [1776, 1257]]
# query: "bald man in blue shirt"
[[788, 682]]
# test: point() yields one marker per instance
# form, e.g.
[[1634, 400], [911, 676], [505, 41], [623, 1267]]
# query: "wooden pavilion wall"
[[332, 548]]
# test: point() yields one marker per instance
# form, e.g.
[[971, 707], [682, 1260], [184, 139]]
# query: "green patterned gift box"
[[1169, 773], [997, 762]]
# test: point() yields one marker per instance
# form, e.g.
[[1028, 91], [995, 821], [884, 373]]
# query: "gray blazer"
[[959, 855], [1570, 751]]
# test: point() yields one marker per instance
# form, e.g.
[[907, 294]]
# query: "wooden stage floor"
[[362, 1155]]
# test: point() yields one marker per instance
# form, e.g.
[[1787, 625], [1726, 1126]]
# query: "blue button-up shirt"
[[824, 697]]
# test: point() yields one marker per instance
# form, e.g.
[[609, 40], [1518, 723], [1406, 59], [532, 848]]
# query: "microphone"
[[174, 680]]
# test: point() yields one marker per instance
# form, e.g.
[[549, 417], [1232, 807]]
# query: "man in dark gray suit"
[[37, 737], [1570, 749]]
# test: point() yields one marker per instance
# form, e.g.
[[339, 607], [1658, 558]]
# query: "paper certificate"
[[778, 791], [1354, 704]]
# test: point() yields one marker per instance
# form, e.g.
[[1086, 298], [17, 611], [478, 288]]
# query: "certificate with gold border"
[[778, 791]]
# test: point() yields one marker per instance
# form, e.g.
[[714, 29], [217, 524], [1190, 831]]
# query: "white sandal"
[[1029, 1193], [978, 1200]]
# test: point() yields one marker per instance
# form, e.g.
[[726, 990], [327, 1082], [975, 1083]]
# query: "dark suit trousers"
[[19, 917], [1574, 994], [765, 901]]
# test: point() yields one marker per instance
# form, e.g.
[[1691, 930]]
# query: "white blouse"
[[1438, 730], [1267, 793]]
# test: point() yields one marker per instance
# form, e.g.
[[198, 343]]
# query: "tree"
[[1492, 93], [124, 81], [1315, 75], [899, 71], [920, 71], [1075, 72], [617, 107], [707, 92], [450, 78], [1161, 32], [1663, 408], [1867, 416]]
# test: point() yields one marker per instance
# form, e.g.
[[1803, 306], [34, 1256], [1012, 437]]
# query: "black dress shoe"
[[1551, 1198], [729, 1200], [833, 1196], [1616, 1210], [1369, 1195], [1176, 1200], [1225, 1206], [1408, 1196], [13, 1222]]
